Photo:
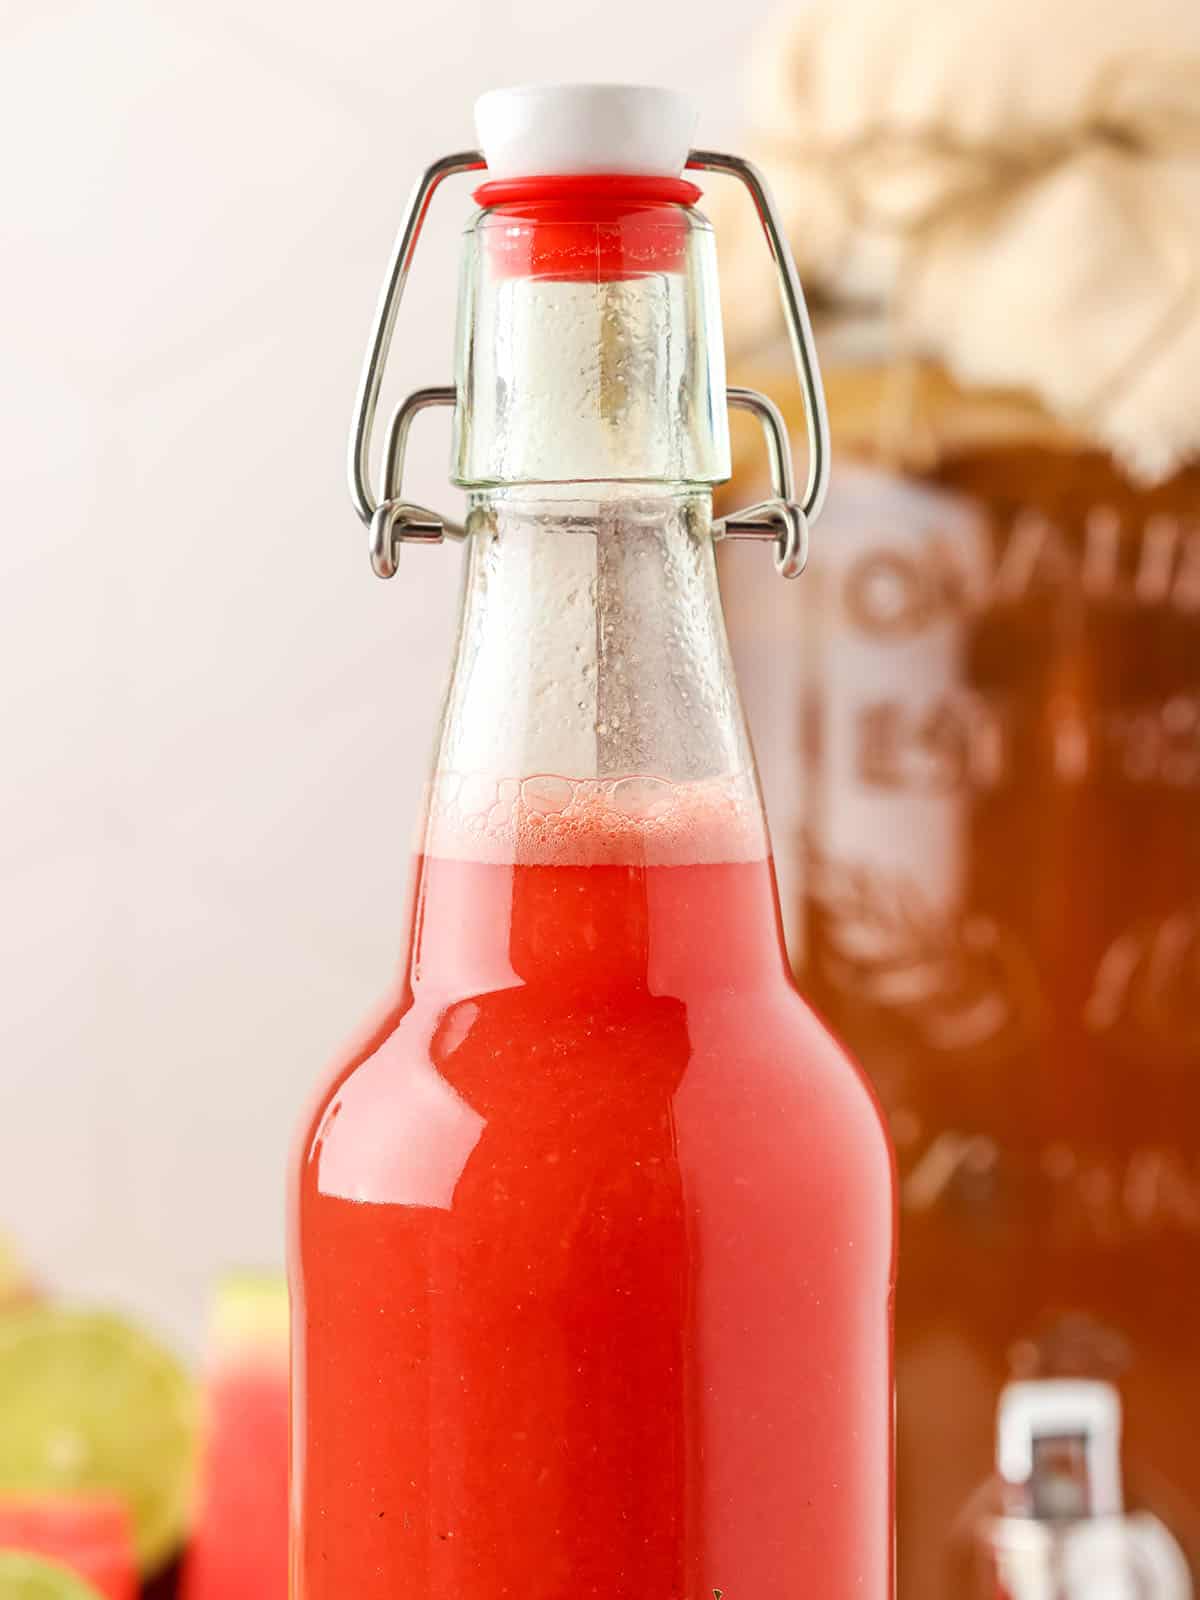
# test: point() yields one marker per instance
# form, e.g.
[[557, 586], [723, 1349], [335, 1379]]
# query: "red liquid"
[[592, 1261]]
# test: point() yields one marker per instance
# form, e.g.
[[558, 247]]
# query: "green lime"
[[88, 1402], [25, 1577]]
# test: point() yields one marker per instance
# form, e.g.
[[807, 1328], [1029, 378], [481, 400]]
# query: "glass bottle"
[[979, 727], [592, 1238]]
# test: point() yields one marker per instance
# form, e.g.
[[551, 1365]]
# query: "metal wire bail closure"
[[393, 521], [779, 518]]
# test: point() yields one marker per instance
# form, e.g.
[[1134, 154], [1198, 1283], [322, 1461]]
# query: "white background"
[[215, 721]]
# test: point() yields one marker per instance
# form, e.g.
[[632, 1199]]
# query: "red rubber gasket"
[[582, 187], [588, 227]]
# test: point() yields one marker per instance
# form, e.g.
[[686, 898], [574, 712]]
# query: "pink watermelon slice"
[[240, 1535], [91, 1534]]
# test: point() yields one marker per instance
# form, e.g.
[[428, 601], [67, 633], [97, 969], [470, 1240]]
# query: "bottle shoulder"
[[745, 1087]]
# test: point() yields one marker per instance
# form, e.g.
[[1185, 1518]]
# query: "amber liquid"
[[1033, 1027]]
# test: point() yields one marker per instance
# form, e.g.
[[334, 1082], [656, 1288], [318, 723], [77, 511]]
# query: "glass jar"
[[978, 723]]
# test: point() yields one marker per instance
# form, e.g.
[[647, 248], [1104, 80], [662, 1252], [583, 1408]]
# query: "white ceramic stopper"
[[544, 129]]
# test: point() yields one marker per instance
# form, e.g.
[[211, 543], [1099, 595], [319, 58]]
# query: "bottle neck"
[[594, 810], [594, 816], [591, 648]]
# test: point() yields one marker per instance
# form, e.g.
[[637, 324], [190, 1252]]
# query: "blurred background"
[[216, 721], [978, 716]]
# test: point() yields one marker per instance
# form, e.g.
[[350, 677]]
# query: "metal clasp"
[[393, 521], [779, 518], [800, 334]]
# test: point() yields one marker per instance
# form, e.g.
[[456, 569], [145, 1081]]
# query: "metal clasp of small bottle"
[[393, 521]]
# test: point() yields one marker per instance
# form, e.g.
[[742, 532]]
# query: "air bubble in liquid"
[[546, 795], [642, 797], [476, 795]]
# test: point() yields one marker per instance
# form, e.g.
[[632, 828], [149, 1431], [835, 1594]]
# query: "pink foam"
[[635, 820]]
